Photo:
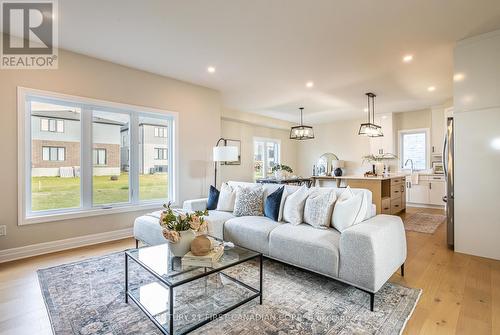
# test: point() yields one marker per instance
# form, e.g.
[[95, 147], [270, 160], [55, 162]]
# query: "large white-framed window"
[[414, 145], [266, 154], [96, 164]]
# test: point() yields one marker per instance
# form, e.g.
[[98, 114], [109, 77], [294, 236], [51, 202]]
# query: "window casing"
[[266, 155], [415, 145], [83, 173]]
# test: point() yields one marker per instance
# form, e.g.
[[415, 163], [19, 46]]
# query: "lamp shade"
[[225, 154]]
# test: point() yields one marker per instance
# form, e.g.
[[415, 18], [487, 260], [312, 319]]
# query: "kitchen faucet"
[[411, 161]]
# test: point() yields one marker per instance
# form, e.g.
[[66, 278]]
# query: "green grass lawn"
[[56, 192]]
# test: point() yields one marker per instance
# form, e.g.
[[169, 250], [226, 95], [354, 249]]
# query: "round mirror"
[[324, 163]]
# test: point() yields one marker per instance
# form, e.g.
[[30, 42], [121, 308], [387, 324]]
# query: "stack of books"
[[208, 260]]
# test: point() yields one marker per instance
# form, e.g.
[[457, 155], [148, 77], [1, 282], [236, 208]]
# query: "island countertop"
[[347, 177]]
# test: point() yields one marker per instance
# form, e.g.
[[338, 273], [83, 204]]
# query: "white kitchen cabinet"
[[436, 192], [438, 127], [419, 193], [429, 191]]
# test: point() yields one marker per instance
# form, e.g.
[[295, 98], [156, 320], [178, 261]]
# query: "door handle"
[[445, 198]]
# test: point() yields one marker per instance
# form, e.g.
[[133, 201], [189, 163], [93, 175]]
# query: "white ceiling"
[[265, 50]]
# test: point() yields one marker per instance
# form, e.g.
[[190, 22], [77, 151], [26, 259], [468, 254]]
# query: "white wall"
[[340, 138], [477, 146], [245, 127]]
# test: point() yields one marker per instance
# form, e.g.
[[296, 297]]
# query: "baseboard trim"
[[13, 254], [411, 204]]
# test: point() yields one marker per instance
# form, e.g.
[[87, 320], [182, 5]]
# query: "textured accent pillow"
[[213, 198], [227, 197], [272, 204], [293, 211], [318, 209], [248, 201], [347, 211]]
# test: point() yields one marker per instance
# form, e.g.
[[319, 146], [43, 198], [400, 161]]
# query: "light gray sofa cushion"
[[251, 232], [307, 247], [216, 220]]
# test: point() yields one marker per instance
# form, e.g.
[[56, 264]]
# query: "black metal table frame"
[[208, 271]]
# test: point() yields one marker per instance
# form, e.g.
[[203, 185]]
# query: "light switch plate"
[[3, 230]]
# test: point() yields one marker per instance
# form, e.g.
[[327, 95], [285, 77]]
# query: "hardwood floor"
[[461, 293]]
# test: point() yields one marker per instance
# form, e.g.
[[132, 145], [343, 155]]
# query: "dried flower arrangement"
[[173, 223]]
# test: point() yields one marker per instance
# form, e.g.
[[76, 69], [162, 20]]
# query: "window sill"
[[88, 213]]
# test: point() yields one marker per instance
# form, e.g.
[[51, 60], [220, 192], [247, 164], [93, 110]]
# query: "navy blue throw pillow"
[[272, 204], [213, 198]]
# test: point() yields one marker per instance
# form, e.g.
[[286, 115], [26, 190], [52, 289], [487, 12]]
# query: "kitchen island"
[[388, 192]]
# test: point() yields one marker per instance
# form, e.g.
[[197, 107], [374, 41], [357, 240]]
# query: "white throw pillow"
[[346, 212], [293, 211], [227, 197], [318, 209], [282, 204], [347, 194]]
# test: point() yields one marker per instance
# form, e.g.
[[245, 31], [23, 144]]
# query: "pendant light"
[[370, 129], [301, 132]]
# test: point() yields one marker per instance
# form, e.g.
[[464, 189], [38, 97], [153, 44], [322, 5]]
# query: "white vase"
[[279, 174], [183, 246]]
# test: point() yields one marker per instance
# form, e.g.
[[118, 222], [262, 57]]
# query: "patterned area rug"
[[87, 297], [424, 222]]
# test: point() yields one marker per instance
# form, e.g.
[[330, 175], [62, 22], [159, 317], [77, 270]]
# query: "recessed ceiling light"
[[384, 116], [431, 88], [365, 110], [407, 58], [211, 69], [309, 84], [458, 77]]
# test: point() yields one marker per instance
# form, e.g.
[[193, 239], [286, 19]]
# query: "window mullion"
[[171, 167], [134, 158], [86, 157]]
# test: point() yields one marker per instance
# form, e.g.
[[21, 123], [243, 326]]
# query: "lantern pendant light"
[[301, 132], [370, 129]]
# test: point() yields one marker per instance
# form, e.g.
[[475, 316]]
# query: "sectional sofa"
[[364, 255]]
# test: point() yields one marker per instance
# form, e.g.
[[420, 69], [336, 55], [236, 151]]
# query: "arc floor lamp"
[[223, 154]]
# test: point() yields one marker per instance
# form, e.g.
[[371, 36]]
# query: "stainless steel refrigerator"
[[449, 198]]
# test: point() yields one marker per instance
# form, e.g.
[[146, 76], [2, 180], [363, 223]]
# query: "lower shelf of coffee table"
[[195, 303]]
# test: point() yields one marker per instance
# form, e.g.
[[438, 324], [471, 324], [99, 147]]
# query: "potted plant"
[[179, 228], [281, 170], [379, 162]]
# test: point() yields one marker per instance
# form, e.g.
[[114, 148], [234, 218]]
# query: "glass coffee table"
[[181, 299]]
